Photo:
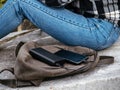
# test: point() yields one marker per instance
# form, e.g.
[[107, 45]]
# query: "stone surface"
[[104, 77]]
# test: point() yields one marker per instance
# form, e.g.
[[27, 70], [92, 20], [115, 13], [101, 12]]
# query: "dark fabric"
[[52, 3], [103, 9]]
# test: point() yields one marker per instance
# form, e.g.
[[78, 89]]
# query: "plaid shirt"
[[104, 9]]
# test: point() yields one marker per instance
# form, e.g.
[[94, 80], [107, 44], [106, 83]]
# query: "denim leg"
[[70, 28], [106, 33], [65, 26], [10, 18]]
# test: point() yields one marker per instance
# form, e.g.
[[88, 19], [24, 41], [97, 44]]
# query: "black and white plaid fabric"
[[104, 9]]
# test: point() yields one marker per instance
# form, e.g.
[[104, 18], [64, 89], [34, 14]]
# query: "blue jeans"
[[63, 25]]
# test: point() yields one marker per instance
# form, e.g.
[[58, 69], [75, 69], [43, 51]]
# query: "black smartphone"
[[72, 57]]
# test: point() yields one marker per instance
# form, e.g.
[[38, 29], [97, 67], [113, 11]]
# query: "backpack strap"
[[105, 60], [14, 83], [19, 45], [102, 60]]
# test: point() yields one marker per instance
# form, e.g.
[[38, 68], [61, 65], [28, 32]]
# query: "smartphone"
[[72, 57]]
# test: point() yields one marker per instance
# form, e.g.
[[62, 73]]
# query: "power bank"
[[46, 56]]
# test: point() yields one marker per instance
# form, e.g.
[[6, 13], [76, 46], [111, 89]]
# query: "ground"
[[104, 77]]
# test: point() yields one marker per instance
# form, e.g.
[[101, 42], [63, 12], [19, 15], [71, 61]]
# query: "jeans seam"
[[113, 31], [111, 34], [7, 7], [56, 16]]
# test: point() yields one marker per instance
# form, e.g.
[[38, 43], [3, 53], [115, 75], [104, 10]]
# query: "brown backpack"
[[31, 72]]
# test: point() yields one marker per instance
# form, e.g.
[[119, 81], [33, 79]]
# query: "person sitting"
[[88, 23]]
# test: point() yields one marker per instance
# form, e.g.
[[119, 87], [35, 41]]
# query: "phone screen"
[[71, 56]]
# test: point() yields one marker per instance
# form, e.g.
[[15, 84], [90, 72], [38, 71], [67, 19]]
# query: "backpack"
[[31, 72]]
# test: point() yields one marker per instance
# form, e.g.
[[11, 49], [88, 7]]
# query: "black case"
[[46, 56]]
